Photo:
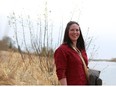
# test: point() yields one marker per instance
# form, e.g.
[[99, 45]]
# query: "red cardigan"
[[70, 66]]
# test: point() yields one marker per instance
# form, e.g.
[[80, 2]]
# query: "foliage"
[[7, 43]]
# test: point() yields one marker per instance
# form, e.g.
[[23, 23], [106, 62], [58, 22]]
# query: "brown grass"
[[32, 70]]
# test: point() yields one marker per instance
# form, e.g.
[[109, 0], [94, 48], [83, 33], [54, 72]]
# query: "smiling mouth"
[[74, 35]]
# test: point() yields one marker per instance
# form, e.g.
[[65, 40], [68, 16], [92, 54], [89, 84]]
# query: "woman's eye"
[[72, 30], [77, 30]]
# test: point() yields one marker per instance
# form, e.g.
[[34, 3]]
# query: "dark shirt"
[[70, 66]]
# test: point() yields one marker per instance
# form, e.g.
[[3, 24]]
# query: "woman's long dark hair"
[[80, 42]]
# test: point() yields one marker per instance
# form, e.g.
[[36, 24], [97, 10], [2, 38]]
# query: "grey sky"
[[97, 15]]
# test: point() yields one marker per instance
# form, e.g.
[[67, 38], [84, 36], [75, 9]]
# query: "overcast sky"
[[97, 15]]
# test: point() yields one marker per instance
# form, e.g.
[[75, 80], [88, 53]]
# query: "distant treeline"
[[107, 60]]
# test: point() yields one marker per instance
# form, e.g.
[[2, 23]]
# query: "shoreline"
[[106, 60]]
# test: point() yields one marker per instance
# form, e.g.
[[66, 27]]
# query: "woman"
[[69, 67]]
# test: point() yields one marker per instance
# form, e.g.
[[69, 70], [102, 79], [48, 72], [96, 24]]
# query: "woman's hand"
[[63, 81]]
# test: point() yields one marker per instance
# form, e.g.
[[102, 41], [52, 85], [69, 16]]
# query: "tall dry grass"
[[30, 71]]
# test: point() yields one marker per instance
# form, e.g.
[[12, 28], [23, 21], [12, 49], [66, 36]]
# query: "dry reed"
[[30, 71]]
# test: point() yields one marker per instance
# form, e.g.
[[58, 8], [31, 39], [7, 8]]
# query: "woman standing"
[[69, 67]]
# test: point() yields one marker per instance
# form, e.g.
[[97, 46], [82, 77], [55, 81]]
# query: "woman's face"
[[74, 32]]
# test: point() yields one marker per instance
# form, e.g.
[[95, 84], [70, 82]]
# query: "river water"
[[108, 71]]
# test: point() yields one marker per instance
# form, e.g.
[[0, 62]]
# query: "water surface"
[[108, 71]]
